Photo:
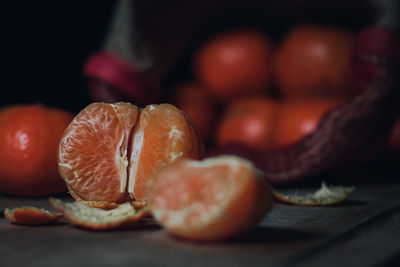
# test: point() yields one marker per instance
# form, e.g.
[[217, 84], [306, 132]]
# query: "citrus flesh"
[[92, 156], [108, 151], [163, 135], [209, 200]]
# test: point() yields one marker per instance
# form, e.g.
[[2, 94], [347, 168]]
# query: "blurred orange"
[[235, 64], [29, 139], [198, 104], [297, 118], [209, 200], [250, 121], [315, 61]]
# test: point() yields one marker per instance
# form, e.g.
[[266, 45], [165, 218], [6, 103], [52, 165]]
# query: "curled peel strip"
[[325, 195], [27, 215], [88, 217]]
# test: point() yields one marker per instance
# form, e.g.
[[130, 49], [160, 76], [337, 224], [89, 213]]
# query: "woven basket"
[[148, 38]]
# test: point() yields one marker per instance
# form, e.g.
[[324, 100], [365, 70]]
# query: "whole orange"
[[29, 139], [315, 61], [298, 118], [235, 64], [249, 121]]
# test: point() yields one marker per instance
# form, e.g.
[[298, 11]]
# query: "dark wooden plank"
[[288, 235], [370, 243]]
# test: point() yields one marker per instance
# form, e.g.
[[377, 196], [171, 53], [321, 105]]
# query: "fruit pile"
[[265, 95]]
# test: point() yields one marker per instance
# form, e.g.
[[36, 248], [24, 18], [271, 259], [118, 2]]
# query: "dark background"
[[45, 45]]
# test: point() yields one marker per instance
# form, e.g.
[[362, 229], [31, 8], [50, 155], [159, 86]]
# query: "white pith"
[[134, 159], [176, 133], [122, 163], [120, 157], [61, 163], [65, 165]]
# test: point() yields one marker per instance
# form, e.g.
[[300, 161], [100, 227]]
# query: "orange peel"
[[88, 217], [31, 216], [325, 195]]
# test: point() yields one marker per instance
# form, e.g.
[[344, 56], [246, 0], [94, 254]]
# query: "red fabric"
[[376, 48], [109, 72]]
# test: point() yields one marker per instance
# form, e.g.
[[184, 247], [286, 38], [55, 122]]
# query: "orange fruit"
[[213, 199], [249, 121], [315, 61], [298, 118], [197, 103], [29, 138], [109, 151], [235, 64]]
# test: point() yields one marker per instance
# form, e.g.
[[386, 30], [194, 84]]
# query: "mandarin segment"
[[213, 199], [163, 135], [93, 151]]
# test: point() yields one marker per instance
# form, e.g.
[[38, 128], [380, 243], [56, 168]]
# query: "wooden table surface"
[[362, 231]]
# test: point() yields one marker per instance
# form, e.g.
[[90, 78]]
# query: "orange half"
[[163, 135], [92, 156]]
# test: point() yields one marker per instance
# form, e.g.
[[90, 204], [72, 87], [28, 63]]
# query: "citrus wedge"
[[209, 200]]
